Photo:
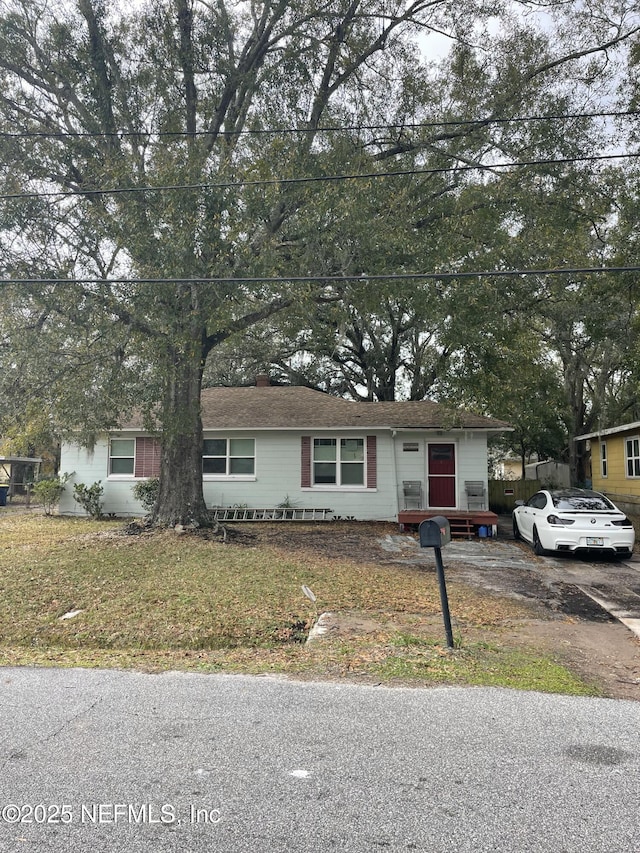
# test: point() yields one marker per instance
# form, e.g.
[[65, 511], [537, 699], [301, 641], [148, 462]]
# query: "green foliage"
[[130, 98], [483, 664], [48, 492], [89, 498], [25, 426], [221, 610], [146, 492]]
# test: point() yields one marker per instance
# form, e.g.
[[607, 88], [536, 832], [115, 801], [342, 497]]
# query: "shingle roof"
[[298, 407], [303, 408]]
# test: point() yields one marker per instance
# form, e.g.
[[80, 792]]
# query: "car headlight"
[[555, 519]]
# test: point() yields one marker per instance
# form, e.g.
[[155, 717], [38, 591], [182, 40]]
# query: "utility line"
[[327, 279], [390, 126], [316, 179]]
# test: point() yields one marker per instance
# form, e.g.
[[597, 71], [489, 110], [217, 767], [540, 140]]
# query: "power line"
[[389, 126], [328, 279], [316, 179]]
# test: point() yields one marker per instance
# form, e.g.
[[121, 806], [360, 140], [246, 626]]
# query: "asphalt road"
[[115, 761]]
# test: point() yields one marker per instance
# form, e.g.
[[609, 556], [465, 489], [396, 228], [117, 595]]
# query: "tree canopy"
[[182, 178]]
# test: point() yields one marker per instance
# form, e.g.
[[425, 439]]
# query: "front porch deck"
[[464, 524]]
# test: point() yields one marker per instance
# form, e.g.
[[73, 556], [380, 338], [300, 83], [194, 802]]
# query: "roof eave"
[[610, 431], [311, 427]]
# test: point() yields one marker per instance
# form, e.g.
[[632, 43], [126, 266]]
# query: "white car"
[[573, 520]]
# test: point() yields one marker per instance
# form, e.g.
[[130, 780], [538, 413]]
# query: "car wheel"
[[516, 531], [537, 545]]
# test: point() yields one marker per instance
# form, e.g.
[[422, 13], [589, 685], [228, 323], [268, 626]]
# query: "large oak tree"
[[150, 212], [143, 194]]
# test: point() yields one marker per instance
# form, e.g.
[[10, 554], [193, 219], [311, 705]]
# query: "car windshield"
[[589, 503]]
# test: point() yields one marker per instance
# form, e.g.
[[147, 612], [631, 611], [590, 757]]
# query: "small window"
[[410, 447], [241, 456], [229, 457], [325, 468], [352, 461], [122, 456], [632, 453], [441, 453], [603, 458]]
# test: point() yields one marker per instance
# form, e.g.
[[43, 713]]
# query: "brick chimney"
[[263, 380]]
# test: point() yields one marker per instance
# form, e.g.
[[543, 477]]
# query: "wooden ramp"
[[272, 514], [464, 525]]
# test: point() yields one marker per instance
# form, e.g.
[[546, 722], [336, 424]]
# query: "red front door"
[[441, 475]]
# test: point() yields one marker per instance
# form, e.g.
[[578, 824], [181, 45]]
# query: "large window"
[[632, 453], [229, 457], [338, 461], [122, 456]]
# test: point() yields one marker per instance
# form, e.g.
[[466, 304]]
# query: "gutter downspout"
[[394, 468]]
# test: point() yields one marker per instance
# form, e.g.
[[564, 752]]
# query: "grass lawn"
[[163, 601]]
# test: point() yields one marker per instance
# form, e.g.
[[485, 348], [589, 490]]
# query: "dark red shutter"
[[305, 462], [147, 457], [372, 462]]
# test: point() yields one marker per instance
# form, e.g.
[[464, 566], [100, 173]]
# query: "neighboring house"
[[15, 471], [547, 471], [550, 474], [615, 460], [507, 468], [266, 446]]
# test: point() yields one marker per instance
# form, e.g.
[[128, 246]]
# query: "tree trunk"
[[578, 457], [180, 497]]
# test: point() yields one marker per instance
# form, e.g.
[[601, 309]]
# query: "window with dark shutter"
[[147, 457], [342, 462]]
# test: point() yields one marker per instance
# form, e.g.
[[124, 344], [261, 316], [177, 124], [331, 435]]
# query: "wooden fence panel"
[[503, 494]]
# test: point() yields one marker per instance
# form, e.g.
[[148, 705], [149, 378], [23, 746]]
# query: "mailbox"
[[434, 532]]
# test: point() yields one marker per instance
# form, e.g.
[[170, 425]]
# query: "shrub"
[[89, 498], [48, 492], [146, 491]]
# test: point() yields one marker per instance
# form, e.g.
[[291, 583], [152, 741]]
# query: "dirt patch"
[[603, 653], [354, 540], [563, 621]]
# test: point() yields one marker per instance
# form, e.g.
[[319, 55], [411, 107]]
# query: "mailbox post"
[[435, 533]]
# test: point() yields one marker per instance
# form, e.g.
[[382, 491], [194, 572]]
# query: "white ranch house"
[[266, 446]]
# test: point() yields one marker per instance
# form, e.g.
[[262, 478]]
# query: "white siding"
[[472, 463], [278, 478], [410, 465], [89, 466], [471, 460], [278, 474]]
